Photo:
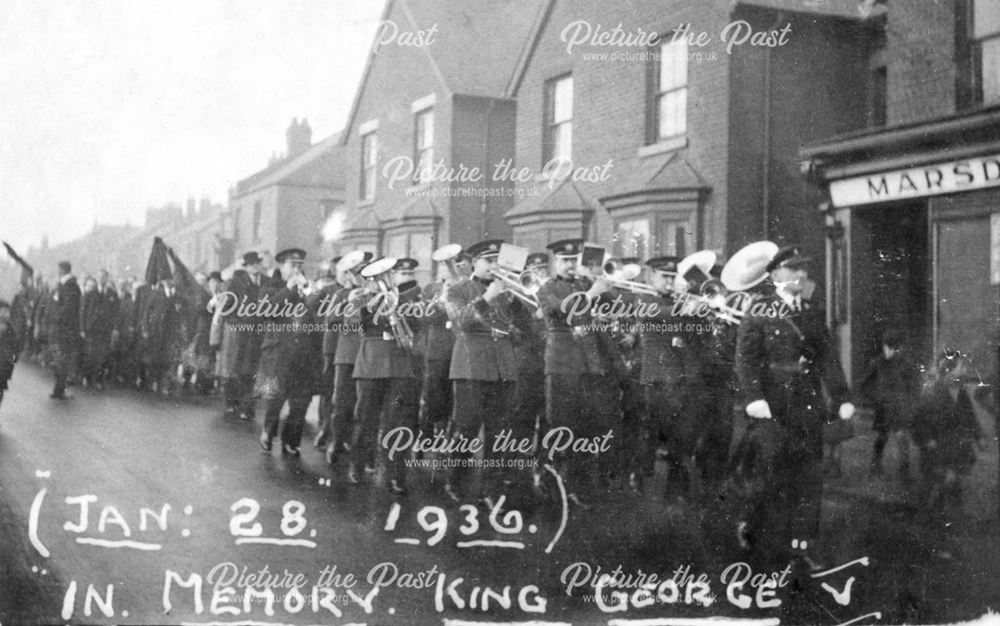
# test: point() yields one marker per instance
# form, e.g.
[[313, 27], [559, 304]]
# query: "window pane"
[[420, 249], [396, 246], [632, 239], [673, 65], [563, 147], [425, 129], [563, 100], [425, 164], [673, 113], [369, 183], [985, 18], [991, 69]]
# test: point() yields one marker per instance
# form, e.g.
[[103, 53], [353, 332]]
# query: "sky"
[[108, 107]]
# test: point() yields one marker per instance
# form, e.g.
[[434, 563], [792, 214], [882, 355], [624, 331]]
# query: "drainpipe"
[[766, 157], [485, 166]]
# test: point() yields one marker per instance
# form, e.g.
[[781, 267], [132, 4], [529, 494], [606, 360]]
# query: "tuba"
[[380, 274], [704, 290], [449, 256]]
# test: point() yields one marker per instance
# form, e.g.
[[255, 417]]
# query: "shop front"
[[913, 237]]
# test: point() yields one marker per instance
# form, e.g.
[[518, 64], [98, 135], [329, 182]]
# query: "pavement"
[[116, 506]]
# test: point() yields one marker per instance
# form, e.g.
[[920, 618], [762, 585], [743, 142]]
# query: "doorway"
[[891, 280]]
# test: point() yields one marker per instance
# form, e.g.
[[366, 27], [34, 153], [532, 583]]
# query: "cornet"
[[379, 273]]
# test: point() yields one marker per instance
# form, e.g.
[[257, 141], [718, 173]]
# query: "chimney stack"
[[299, 137]]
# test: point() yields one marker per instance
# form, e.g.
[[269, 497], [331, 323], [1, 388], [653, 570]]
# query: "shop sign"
[[916, 182], [995, 248]]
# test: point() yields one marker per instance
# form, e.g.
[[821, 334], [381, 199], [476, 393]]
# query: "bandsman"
[[483, 370], [578, 396], [344, 320], [387, 370]]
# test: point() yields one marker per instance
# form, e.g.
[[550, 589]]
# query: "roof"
[[471, 51], [967, 127], [565, 197], [421, 206], [320, 165], [857, 10], [939, 139], [667, 171], [848, 9], [470, 55]]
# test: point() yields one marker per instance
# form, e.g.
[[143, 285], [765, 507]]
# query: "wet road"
[[120, 507]]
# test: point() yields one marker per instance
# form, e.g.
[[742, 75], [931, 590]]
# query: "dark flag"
[[185, 282], [158, 267], [26, 270]]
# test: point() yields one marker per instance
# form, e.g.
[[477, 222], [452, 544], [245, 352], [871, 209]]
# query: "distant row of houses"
[[656, 127]]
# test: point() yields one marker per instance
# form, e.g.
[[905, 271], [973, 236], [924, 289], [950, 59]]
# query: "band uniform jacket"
[[673, 345], [324, 300], [344, 319], [571, 346], [290, 347], [529, 341], [437, 338], [241, 335], [483, 347], [787, 359], [379, 355]]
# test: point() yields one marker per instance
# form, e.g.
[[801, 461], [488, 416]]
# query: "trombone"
[[620, 276], [522, 285], [379, 273]]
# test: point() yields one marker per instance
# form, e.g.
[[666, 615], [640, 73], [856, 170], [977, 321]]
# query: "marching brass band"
[[583, 368]]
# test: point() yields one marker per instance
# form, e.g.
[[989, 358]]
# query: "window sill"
[[417, 188], [666, 145]]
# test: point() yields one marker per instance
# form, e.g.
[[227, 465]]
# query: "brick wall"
[[920, 60], [609, 106], [817, 88]]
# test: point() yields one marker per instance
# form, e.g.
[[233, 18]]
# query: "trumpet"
[[620, 276], [379, 273], [522, 285]]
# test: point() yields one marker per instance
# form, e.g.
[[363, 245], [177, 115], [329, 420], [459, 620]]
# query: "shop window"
[[668, 92], [423, 145], [558, 137], [369, 162]]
